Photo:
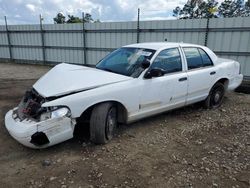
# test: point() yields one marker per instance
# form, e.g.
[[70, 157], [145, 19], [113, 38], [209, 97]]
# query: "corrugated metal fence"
[[88, 43]]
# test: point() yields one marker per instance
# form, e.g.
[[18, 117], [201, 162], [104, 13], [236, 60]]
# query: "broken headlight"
[[55, 112]]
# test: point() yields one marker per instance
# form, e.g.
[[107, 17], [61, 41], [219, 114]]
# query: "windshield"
[[126, 61]]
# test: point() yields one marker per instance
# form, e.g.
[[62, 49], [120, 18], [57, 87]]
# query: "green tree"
[[247, 9], [177, 12], [247, 3], [233, 8], [88, 18], [188, 10], [73, 19], [197, 9], [59, 19], [210, 9]]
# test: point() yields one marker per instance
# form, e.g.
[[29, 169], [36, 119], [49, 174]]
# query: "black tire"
[[103, 123], [215, 97]]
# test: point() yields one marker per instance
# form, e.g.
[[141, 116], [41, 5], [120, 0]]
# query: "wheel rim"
[[217, 97], [111, 123]]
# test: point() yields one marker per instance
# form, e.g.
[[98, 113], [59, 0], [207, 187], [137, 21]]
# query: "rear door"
[[201, 73]]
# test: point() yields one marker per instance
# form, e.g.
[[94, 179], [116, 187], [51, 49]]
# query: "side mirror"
[[155, 72], [145, 64]]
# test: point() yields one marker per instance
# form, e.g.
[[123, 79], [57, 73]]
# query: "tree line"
[[191, 10], [61, 19], [212, 9]]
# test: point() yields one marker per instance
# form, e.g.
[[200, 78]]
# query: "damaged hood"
[[65, 78]]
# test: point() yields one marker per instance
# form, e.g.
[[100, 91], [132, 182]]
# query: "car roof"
[[159, 45], [165, 45]]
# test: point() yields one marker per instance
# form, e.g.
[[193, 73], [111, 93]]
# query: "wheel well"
[[122, 113], [224, 81]]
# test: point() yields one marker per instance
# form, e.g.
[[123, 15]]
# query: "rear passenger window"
[[168, 60], [205, 58], [193, 57]]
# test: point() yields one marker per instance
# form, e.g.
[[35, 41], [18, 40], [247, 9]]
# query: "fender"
[[224, 79], [119, 92]]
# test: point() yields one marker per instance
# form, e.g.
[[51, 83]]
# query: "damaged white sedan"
[[131, 83]]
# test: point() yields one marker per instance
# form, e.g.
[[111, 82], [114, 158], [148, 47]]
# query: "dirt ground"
[[189, 147]]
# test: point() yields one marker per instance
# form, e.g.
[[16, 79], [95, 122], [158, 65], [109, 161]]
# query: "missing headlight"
[[30, 105]]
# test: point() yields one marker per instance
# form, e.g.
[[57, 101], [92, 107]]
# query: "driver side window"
[[169, 60]]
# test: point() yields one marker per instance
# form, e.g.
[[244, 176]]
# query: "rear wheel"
[[215, 97], [103, 123]]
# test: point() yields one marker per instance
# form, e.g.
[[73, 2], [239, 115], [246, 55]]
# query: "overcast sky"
[[27, 11]]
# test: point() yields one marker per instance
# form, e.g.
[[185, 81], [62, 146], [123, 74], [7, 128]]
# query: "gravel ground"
[[188, 147]]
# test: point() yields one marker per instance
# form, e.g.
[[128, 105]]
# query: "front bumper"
[[56, 130]]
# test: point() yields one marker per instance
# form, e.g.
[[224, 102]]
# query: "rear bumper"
[[235, 82], [56, 130]]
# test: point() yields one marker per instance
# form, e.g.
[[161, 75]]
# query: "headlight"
[[55, 113], [61, 112]]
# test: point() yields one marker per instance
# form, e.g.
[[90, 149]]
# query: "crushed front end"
[[39, 127]]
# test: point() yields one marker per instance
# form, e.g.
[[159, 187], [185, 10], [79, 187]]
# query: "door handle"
[[212, 73], [182, 79]]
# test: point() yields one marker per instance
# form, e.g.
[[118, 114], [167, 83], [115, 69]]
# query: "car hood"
[[64, 79]]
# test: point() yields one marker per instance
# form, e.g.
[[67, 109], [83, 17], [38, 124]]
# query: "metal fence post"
[[8, 38], [84, 39], [42, 39], [138, 27], [207, 31]]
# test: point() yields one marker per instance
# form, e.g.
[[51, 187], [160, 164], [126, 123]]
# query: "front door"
[[167, 91]]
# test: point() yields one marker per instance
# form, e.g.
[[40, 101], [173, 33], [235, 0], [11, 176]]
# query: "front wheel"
[[103, 122], [215, 97]]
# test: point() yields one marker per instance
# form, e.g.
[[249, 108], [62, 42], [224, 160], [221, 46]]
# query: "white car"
[[131, 83]]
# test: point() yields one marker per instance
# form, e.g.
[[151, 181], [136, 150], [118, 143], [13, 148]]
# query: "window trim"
[[207, 56], [202, 67], [170, 73]]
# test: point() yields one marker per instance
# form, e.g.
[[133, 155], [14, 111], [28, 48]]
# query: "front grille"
[[30, 105]]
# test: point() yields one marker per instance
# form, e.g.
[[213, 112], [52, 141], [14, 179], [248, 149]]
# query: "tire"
[[215, 97], [103, 123]]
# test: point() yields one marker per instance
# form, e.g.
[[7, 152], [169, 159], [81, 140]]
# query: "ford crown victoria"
[[132, 82]]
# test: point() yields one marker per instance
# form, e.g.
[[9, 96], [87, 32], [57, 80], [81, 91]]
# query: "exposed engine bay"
[[30, 106], [36, 126]]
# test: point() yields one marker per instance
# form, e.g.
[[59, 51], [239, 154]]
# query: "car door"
[[168, 90], [201, 73]]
